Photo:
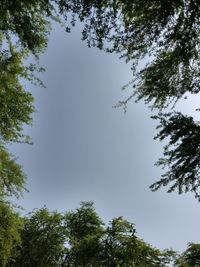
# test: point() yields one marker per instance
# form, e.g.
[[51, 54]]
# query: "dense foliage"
[[10, 227], [80, 238], [190, 257], [182, 154]]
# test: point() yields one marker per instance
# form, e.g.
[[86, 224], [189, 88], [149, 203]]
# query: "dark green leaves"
[[12, 178], [43, 237], [181, 155], [23, 31], [166, 80], [10, 227], [93, 244], [27, 21], [85, 230], [190, 257], [119, 243], [16, 104]]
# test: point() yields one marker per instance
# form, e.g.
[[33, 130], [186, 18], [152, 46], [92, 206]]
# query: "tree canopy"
[[10, 227], [42, 240], [80, 238], [190, 257]]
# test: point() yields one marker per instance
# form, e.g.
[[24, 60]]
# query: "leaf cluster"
[[190, 257], [181, 153]]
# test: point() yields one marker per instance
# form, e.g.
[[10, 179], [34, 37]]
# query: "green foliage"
[[85, 230], [122, 248], [24, 27], [190, 257], [119, 244], [16, 104], [12, 178], [181, 154], [92, 244], [43, 237], [23, 30], [83, 221], [77, 238], [10, 227]]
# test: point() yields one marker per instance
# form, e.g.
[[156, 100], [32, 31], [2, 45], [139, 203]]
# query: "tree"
[[93, 244], [16, 103], [119, 243], [28, 21], [190, 257], [121, 247], [12, 180], [10, 228], [182, 154], [23, 31], [76, 238], [23, 28], [85, 230], [42, 240]]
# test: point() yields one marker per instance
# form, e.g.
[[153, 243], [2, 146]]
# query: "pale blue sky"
[[86, 150]]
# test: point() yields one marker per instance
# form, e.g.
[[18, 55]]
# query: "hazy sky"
[[86, 150]]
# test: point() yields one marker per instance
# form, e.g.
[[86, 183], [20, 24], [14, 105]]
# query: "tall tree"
[[119, 244], [12, 180], [10, 228], [92, 244], [182, 154], [76, 238], [42, 240], [121, 247], [85, 230], [190, 257], [18, 22]]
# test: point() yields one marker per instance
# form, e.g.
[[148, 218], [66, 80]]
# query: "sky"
[[86, 150]]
